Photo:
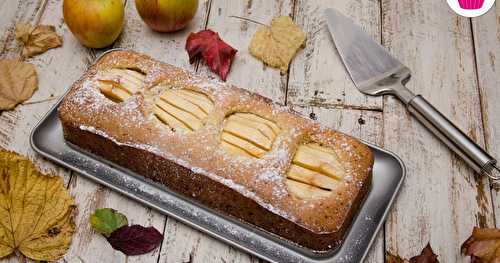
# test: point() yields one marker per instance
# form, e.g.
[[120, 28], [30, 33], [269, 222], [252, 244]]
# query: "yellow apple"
[[166, 15], [95, 23]]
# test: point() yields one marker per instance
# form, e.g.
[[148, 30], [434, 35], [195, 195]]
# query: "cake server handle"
[[453, 137]]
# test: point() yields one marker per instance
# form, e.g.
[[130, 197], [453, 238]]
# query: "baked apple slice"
[[183, 109], [315, 171], [248, 133], [119, 84], [305, 191]]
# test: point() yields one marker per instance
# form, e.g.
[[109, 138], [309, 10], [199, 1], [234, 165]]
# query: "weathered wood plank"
[[317, 75], [363, 124], [487, 46], [366, 125], [185, 244], [441, 199], [11, 13]]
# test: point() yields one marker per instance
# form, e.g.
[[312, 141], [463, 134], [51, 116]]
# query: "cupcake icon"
[[471, 4]]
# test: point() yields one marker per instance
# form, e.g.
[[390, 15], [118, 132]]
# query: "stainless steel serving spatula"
[[376, 72]]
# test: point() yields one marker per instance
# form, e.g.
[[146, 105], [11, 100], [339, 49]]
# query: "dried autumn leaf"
[[426, 256], [217, 54], [483, 245], [36, 211], [135, 239], [278, 44], [18, 81], [37, 39]]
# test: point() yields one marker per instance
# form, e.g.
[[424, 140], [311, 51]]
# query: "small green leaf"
[[107, 220]]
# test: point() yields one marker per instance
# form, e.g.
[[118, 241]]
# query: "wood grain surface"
[[486, 31], [455, 63], [442, 199]]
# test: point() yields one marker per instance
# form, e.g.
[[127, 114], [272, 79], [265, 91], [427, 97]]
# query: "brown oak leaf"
[[37, 39], [18, 82], [426, 256], [483, 245], [217, 54]]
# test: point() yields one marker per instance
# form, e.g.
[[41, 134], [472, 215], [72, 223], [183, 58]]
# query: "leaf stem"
[[249, 20], [40, 101]]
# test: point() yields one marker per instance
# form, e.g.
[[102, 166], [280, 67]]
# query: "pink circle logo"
[[471, 8], [471, 4]]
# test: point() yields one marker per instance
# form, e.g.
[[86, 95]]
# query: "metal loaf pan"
[[388, 175]]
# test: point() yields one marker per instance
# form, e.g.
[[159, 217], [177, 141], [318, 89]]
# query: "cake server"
[[376, 72]]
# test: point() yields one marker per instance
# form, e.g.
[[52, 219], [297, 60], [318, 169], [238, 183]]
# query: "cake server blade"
[[366, 60], [375, 71]]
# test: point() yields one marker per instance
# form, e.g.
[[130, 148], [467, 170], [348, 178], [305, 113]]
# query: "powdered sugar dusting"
[[136, 112]]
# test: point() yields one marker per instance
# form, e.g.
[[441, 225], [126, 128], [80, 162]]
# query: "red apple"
[[95, 23], [166, 15]]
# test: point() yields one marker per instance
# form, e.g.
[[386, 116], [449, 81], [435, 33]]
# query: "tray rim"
[[209, 232]]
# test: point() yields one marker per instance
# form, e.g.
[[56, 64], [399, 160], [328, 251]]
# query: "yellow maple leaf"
[[36, 211], [276, 45]]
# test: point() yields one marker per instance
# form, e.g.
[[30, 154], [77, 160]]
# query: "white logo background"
[[471, 13]]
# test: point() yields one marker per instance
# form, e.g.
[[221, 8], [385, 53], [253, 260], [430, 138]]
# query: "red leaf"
[[217, 54], [135, 239], [427, 256]]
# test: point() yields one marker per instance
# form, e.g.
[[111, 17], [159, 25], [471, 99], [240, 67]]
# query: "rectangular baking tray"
[[388, 174]]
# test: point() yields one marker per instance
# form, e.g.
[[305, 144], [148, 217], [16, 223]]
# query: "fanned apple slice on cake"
[[248, 134], [315, 171], [118, 84], [183, 109]]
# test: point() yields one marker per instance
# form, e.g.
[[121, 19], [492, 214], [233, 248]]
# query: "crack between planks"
[[339, 106], [481, 109], [207, 17], [40, 12], [382, 131], [165, 222], [287, 79]]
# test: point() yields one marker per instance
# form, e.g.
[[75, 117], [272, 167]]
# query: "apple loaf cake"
[[229, 149]]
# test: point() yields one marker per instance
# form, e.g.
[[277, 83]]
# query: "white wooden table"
[[455, 62]]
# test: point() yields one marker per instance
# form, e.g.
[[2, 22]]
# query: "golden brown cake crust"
[[253, 190]]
